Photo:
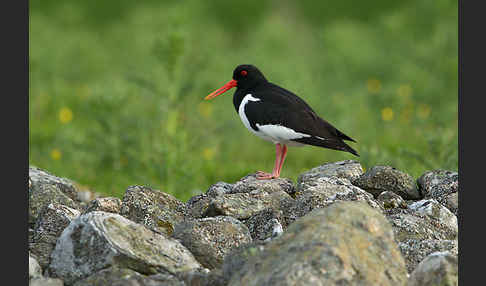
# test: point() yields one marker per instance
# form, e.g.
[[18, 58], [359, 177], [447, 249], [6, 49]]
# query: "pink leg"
[[275, 173], [282, 159]]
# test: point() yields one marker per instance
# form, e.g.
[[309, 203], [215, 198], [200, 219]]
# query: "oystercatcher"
[[279, 116]]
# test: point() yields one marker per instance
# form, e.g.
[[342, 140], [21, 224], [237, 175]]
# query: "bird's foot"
[[260, 175]]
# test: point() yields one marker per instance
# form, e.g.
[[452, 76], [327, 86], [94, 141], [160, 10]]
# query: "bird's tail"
[[348, 148]]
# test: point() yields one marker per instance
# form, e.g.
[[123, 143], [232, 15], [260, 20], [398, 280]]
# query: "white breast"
[[269, 132]]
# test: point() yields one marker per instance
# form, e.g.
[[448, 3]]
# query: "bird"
[[278, 115]]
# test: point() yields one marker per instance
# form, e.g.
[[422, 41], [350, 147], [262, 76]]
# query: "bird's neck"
[[241, 92]]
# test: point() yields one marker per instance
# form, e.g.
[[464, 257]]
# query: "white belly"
[[273, 133]]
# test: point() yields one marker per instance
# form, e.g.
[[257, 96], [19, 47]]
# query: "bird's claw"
[[260, 175]]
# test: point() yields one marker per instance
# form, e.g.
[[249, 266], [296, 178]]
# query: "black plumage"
[[279, 116], [278, 106]]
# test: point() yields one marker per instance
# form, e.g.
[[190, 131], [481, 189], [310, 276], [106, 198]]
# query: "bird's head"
[[244, 76]]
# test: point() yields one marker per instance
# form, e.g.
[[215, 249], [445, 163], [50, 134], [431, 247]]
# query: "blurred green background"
[[116, 87]]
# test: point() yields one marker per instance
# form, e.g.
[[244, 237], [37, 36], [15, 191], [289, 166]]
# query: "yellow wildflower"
[[387, 114], [208, 153], [65, 115], [373, 85], [56, 154]]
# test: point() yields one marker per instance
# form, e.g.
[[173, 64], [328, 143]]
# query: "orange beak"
[[229, 85]]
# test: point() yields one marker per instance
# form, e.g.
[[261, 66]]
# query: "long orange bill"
[[229, 85]]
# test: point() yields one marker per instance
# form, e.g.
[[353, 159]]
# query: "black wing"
[[278, 106]]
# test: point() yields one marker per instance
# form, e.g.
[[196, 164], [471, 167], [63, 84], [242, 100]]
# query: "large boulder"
[[51, 221], [439, 268], [348, 169], [385, 178], [210, 239], [323, 191], [441, 185], [423, 227], [243, 199], [98, 240], [346, 243], [45, 188], [155, 209]]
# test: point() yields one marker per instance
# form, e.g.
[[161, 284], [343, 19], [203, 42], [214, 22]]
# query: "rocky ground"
[[337, 225]]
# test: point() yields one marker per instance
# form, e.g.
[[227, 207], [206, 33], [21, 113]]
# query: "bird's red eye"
[[244, 73]]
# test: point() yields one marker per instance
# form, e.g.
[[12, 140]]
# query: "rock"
[[408, 224], [390, 200], [46, 281], [451, 201], [323, 191], [250, 183], [235, 260], [210, 239], [433, 209], [123, 276], [45, 189], [385, 178], [442, 186], [34, 268], [346, 243], [425, 226], [348, 169], [155, 209], [439, 268], [218, 189], [414, 251], [204, 278], [50, 223], [266, 224], [105, 204], [243, 199], [98, 240]]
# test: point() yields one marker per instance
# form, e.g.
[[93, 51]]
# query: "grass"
[[116, 88]]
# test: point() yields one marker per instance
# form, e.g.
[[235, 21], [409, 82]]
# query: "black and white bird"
[[279, 116]]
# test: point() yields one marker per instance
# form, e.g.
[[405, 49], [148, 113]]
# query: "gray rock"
[[346, 243], [105, 204], [243, 199], [348, 169], [235, 260], [433, 209], [390, 200], [266, 224], [250, 184], [409, 224], [45, 281], [116, 276], [385, 178], [218, 189], [155, 209], [323, 191], [204, 278], [34, 268], [45, 189], [210, 239], [451, 201], [414, 250], [50, 223], [441, 185], [439, 268], [98, 240]]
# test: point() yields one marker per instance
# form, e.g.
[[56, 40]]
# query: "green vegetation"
[[117, 87]]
